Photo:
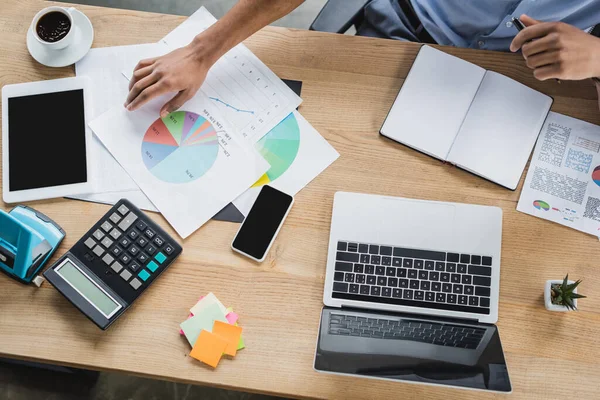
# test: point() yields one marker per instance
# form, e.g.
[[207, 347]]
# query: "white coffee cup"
[[65, 41]]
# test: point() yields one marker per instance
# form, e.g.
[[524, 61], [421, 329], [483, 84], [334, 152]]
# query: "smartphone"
[[261, 226]]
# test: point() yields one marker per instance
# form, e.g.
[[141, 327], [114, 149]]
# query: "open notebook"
[[479, 120]]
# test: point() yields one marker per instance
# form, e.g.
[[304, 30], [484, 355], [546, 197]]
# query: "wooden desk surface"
[[349, 85]]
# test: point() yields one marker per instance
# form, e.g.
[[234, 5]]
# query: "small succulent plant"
[[563, 293]]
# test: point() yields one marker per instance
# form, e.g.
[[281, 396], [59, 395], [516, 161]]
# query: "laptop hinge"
[[409, 315]]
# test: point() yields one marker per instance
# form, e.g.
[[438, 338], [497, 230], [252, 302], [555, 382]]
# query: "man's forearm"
[[244, 19]]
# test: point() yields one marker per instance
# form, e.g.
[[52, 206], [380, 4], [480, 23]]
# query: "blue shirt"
[[486, 24]]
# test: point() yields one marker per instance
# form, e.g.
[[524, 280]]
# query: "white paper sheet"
[[297, 154], [104, 67], [247, 93], [189, 174], [563, 182]]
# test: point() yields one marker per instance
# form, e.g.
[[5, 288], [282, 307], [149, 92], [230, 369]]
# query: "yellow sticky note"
[[230, 333], [209, 348]]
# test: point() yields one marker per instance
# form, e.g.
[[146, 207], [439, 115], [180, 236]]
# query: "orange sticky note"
[[230, 333], [209, 348]]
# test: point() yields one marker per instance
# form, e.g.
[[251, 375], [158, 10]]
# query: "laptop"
[[411, 293]]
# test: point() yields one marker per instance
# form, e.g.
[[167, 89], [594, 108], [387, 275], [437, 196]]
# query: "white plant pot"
[[548, 296]]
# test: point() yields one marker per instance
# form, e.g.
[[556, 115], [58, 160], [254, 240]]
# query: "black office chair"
[[337, 16]]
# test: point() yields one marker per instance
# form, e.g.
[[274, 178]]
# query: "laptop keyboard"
[[412, 277], [435, 333]]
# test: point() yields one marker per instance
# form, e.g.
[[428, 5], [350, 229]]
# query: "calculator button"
[[149, 233], [115, 218], [128, 221], [142, 241], [152, 266], [160, 257], [115, 234], [159, 241], [141, 225], [106, 242], [116, 251], [98, 250], [143, 257], [106, 226], [125, 242], [117, 267], [98, 234], [168, 249], [125, 274], [133, 234], [90, 243], [108, 259], [125, 258], [150, 249], [123, 209], [134, 250], [144, 275], [135, 283], [134, 266]]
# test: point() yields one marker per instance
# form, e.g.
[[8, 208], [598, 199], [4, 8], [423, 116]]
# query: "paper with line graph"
[[247, 93]]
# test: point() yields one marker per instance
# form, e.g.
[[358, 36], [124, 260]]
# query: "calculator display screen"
[[88, 289]]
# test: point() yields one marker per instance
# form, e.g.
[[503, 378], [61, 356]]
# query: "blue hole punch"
[[28, 239]]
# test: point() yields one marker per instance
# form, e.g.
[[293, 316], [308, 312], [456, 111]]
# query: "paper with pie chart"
[[563, 181], [190, 164], [297, 154]]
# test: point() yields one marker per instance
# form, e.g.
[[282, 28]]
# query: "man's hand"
[[558, 50], [182, 71]]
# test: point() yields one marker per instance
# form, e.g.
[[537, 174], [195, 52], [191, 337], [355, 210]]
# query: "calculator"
[[113, 263]]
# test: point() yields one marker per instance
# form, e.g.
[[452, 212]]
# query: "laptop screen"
[[425, 350]]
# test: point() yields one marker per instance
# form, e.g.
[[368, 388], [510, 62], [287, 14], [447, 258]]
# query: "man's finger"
[[547, 43], [530, 33], [528, 21], [547, 72], [145, 63], [175, 103], [139, 87], [546, 58], [148, 94], [140, 74]]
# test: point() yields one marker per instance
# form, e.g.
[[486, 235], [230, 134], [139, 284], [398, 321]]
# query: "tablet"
[[45, 140]]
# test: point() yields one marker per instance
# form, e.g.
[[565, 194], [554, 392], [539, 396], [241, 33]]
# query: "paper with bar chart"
[[563, 181], [190, 164], [297, 154], [246, 92]]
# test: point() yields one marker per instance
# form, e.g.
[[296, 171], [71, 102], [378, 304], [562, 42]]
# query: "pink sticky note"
[[232, 318]]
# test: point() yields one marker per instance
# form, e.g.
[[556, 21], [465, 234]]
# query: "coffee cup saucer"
[[82, 42]]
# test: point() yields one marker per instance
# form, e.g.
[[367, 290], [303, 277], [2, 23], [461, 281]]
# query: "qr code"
[[579, 161]]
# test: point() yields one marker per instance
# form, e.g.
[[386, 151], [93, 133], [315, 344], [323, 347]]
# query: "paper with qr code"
[[563, 181]]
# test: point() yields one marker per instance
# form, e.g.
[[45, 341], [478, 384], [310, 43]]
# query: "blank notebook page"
[[500, 129], [433, 102]]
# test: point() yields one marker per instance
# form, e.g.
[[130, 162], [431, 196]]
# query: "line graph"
[[230, 106]]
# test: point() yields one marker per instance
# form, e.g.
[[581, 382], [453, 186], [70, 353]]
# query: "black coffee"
[[53, 26]]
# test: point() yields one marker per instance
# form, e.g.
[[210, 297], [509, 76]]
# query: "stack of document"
[[239, 132], [212, 330]]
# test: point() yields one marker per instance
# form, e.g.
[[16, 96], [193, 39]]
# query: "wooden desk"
[[349, 84]]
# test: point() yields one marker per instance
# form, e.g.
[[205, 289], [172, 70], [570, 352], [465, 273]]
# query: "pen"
[[519, 25]]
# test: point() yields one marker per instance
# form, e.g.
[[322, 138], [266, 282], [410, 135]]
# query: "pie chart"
[[180, 148], [541, 205], [596, 175], [280, 148]]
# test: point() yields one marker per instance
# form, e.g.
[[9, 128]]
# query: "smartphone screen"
[[262, 223]]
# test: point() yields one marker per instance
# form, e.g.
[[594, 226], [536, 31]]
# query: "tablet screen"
[[46, 136]]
